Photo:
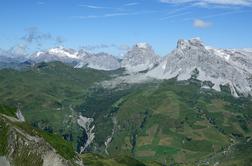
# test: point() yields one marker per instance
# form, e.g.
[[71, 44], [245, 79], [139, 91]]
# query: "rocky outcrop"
[[100, 61]]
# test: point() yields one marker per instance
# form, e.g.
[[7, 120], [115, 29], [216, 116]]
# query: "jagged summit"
[[141, 57], [187, 44], [143, 45], [231, 67]]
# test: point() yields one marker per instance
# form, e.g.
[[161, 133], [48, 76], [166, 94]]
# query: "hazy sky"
[[112, 25]]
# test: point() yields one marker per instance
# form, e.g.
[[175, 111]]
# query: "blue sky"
[[114, 25]]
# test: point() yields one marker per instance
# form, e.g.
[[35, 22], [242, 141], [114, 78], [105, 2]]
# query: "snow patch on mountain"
[[100, 61], [55, 54], [62, 52]]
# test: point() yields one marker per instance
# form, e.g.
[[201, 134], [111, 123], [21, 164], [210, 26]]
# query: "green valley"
[[166, 122]]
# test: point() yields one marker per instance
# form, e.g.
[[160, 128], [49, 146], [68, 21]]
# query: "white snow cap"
[[61, 51]]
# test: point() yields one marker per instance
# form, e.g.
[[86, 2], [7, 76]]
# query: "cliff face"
[[141, 57], [219, 66]]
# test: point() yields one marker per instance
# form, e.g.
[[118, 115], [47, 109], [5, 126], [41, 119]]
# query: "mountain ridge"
[[213, 65], [232, 67]]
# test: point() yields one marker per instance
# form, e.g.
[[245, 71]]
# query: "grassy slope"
[[3, 138], [8, 111], [4, 128], [172, 122], [47, 93], [63, 148], [90, 159], [236, 155], [100, 104], [180, 122]]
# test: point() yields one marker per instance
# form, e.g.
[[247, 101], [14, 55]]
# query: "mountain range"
[[65, 107], [214, 67]]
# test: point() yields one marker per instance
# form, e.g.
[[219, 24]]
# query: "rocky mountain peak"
[[61, 51], [221, 67], [143, 46], [141, 57], [188, 44]]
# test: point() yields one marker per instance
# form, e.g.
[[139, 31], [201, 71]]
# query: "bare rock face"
[[140, 58], [23, 145], [100, 61], [220, 66]]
